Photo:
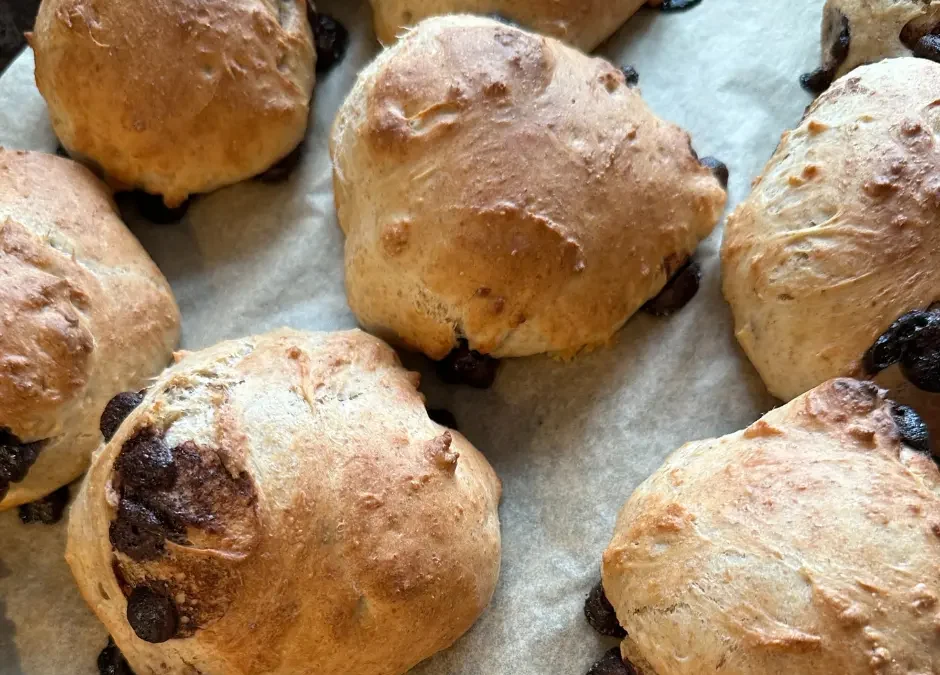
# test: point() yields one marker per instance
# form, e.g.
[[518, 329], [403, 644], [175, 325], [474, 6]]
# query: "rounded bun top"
[[840, 236], [807, 543], [283, 504], [499, 186], [176, 97]]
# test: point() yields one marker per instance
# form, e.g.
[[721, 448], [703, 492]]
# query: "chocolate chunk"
[[601, 615], [718, 168], [139, 532], [467, 366], [47, 510], [146, 463], [112, 662], [117, 410], [890, 347], [153, 208], [152, 615], [928, 47], [920, 362], [838, 36], [612, 664], [677, 292], [676, 5], [631, 75], [330, 36], [443, 417], [16, 458], [914, 432], [281, 171]]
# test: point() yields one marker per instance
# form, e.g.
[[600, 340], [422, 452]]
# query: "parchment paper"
[[570, 441]]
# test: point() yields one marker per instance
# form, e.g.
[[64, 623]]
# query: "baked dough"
[[807, 543], [876, 30], [841, 234], [84, 314], [305, 516], [176, 97], [582, 23], [501, 187]]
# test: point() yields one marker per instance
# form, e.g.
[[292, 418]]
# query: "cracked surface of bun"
[[582, 23], [807, 543], [840, 236], [176, 97], [502, 187], [84, 314], [316, 519]]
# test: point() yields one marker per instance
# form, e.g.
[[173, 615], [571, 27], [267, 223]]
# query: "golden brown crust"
[[450, 235], [84, 313], [355, 534], [176, 97], [582, 23], [840, 236], [807, 543]]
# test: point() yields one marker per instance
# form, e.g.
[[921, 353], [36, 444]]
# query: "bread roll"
[[809, 543], [582, 23], [282, 504], [84, 314], [176, 97], [840, 236], [503, 188]]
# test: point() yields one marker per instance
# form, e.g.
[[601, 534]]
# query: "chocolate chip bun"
[[858, 32], [84, 314], [807, 543], [283, 504], [176, 97], [840, 237], [499, 187], [582, 23]]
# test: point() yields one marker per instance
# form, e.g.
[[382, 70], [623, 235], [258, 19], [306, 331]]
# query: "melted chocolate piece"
[[601, 615], [47, 510], [631, 75], [928, 47], [467, 366], [914, 342], [914, 432], [16, 459], [117, 410], [139, 532], [443, 417], [153, 208], [152, 614], [112, 662], [677, 292], [817, 81], [718, 168], [331, 39], [677, 5], [146, 463], [282, 170], [612, 664]]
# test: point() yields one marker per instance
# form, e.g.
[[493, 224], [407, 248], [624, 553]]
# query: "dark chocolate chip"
[[920, 362], [718, 168], [913, 431], [677, 5], [928, 47], [631, 75], [467, 366], [601, 615], [154, 209], [837, 34], [817, 81], [16, 458], [146, 463], [152, 615], [117, 410], [331, 39], [612, 664], [47, 510], [284, 168], [891, 346], [138, 532], [443, 417], [112, 662], [677, 292]]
